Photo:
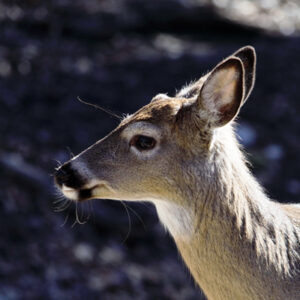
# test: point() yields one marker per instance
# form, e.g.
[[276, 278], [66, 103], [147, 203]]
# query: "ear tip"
[[248, 56], [250, 49], [246, 51]]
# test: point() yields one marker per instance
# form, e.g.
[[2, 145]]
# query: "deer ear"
[[222, 93], [248, 57]]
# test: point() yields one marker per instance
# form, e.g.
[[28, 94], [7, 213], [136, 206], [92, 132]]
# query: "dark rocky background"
[[119, 54]]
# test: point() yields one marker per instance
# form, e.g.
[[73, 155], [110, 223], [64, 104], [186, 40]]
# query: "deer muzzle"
[[71, 183], [77, 184]]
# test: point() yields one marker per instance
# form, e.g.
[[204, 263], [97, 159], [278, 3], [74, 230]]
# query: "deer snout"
[[69, 177], [70, 182]]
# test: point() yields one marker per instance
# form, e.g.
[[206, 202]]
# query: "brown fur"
[[237, 243]]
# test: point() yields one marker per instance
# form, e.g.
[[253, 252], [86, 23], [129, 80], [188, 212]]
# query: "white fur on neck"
[[177, 219]]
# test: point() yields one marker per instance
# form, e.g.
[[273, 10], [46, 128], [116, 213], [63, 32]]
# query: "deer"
[[181, 153]]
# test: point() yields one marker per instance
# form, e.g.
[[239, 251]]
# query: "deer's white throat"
[[177, 219]]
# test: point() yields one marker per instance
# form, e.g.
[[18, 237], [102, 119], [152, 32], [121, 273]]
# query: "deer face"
[[150, 153], [134, 162]]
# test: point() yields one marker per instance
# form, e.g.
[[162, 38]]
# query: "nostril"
[[68, 176]]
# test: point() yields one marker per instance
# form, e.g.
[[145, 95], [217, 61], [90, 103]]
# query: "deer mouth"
[[77, 194], [83, 194]]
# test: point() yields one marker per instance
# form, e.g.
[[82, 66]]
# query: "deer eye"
[[142, 142]]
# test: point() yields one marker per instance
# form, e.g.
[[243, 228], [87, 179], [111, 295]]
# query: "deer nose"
[[66, 175]]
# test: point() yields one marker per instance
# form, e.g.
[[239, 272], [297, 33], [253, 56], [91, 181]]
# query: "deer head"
[[165, 149]]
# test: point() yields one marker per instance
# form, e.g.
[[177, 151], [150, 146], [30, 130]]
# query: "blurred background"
[[119, 54]]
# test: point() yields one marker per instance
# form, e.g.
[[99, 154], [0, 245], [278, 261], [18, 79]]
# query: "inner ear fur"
[[248, 57], [222, 93]]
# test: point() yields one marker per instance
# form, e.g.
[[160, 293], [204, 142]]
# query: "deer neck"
[[231, 236]]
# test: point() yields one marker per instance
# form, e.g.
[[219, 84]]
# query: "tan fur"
[[237, 243]]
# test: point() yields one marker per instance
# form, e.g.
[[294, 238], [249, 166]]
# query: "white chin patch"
[[70, 193]]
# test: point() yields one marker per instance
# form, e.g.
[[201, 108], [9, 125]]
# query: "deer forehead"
[[161, 108]]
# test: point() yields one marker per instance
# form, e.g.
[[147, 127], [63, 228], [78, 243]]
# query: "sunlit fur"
[[237, 243]]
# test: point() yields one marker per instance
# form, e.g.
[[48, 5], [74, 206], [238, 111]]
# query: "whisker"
[[60, 204], [138, 216], [66, 219], [70, 152], [84, 212], [88, 209], [78, 221], [64, 206], [59, 200], [92, 209], [59, 164], [129, 222], [108, 111]]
